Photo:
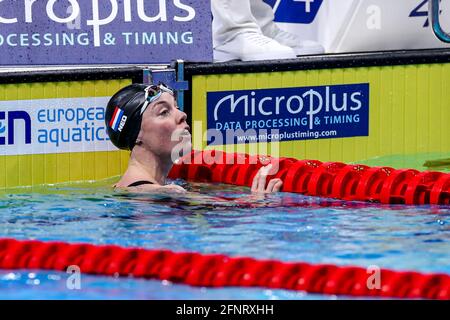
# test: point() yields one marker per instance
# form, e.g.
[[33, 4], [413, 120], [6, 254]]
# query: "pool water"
[[216, 218]]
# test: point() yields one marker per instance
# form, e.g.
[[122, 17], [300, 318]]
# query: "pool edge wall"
[[19, 170], [408, 109], [408, 115]]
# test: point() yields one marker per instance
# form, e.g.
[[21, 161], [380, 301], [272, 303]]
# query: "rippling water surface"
[[217, 219]]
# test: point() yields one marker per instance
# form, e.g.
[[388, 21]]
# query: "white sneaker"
[[250, 46], [301, 47]]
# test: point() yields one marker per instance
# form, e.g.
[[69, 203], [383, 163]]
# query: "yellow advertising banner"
[[54, 132], [406, 109]]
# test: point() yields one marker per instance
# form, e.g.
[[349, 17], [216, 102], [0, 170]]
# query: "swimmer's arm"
[[178, 192], [258, 188]]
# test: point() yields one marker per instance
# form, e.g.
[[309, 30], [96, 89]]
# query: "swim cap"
[[122, 116], [124, 111]]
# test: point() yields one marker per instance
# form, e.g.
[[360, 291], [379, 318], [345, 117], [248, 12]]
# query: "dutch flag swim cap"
[[122, 116]]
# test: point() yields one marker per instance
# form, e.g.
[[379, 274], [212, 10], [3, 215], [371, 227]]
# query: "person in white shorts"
[[245, 30]]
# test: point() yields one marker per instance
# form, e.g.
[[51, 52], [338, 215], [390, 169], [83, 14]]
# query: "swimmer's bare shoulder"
[[153, 188]]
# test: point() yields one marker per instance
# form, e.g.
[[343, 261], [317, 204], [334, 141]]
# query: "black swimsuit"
[[140, 183]]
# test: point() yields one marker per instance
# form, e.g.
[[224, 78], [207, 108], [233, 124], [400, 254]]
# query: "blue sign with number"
[[295, 11]]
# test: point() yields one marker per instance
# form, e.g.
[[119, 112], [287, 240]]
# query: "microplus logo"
[[298, 113], [11, 118], [127, 31], [295, 11], [101, 15]]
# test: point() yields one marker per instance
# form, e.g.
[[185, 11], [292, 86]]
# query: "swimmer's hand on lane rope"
[[258, 184], [259, 181], [258, 189]]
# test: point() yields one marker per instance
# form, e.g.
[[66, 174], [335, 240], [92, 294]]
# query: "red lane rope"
[[214, 270], [311, 177]]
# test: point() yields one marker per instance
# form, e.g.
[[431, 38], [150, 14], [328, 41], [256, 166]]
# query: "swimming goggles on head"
[[153, 92]]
